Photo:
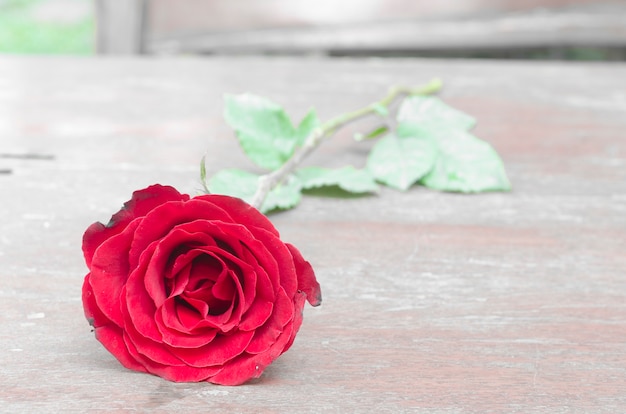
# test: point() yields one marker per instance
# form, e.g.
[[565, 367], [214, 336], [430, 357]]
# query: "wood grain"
[[384, 27], [433, 302]]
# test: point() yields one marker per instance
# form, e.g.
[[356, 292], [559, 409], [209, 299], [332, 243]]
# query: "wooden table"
[[433, 302]]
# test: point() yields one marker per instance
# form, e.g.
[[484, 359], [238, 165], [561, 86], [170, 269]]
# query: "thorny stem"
[[270, 180]]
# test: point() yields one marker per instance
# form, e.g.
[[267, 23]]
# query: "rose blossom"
[[194, 289]]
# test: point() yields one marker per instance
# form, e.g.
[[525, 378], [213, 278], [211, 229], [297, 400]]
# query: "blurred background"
[[518, 29], [47, 26]]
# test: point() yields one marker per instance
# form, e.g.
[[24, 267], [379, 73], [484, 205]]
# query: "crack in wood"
[[28, 156]]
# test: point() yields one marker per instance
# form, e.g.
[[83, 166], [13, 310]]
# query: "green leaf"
[[264, 130], [465, 164], [287, 195], [429, 112], [306, 127], [400, 162], [234, 182], [243, 184], [376, 132], [347, 178]]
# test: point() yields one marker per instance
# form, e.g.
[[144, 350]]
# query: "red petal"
[[139, 205], [257, 315], [93, 238], [261, 287], [137, 306], [224, 288], [264, 288], [161, 220], [272, 256], [111, 338], [206, 270], [222, 349], [151, 350], [177, 339], [241, 212], [265, 336], [170, 316], [92, 312], [240, 370], [154, 277], [297, 320], [109, 272], [144, 201], [180, 373], [192, 314], [177, 318], [181, 280], [307, 282], [247, 366], [243, 273]]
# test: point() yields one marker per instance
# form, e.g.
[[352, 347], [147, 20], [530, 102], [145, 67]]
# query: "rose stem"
[[270, 180]]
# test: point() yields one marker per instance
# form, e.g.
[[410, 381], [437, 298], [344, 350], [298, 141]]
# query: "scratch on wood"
[[536, 366], [28, 156]]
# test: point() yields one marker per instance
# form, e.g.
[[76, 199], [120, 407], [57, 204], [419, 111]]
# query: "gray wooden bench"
[[381, 28]]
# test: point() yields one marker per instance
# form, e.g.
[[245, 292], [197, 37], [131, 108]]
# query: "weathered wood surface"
[[195, 16], [382, 27], [356, 27], [432, 302]]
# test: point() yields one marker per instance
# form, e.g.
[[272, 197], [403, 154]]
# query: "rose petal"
[[228, 244], [250, 281], [182, 373], [224, 288], [178, 262], [222, 349], [205, 303], [191, 311], [177, 339], [179, 317], [276, 259], [307, 282], [180, 282], [241, 212], [144, 201], [266, 335], [257, 315], [160, 221], [112, 339], [139, 306], [164, 251], [206, 270], [247, 366], [152, 350], [264, 288], [244, 277], [210, 311], [92, 312], [211, 232], [93, 238], [109, 272], [139, 205], [228, 318], [240, 370], [171, 320], [297, 320]]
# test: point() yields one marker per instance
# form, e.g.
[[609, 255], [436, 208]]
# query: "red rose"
[[194, 289]]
